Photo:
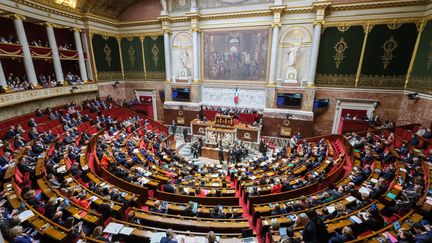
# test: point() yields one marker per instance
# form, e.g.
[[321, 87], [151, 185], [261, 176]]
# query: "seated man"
[[428, 134], [217, 213], [403, 150], [278, 209], [158, 207]]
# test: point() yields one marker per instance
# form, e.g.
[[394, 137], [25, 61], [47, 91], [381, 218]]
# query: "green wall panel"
[[154, 57], [387, 56], [107, 57], [133, 66], [421, 75], [339, 55]]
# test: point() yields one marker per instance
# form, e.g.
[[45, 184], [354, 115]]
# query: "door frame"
[[352, 104], [151, 93]]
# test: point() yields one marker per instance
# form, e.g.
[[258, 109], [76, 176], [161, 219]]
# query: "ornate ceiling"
[[106, 8]]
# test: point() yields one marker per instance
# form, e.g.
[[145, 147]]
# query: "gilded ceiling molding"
[[62, 11], [103, 33], [377, 4], [47, 6], [141, 34], [373, 22]]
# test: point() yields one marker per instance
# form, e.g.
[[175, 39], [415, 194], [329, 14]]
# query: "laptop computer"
[[283, 231], [396, 225]]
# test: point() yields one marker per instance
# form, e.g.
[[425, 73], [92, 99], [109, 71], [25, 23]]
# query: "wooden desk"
[[192, 223], [173, 197]]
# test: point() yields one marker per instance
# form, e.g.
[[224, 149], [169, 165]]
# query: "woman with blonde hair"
[[16, 235], [211, 237]]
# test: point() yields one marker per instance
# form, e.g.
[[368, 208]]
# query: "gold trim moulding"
[[376, 4], [371, 22], [335, 80]]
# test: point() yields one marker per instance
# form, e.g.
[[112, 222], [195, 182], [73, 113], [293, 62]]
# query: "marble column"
[[88, 62], [314, 55], [167, 50], [195, 55], [81, 61], [28, 62], [2, 77], [55, 54], [273, 55]]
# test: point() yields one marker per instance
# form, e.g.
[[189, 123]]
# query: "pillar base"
[[65, 84], [37, 86], [197, 81], [310, 86]]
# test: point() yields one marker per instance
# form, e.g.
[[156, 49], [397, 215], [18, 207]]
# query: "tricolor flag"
[[236, 96]]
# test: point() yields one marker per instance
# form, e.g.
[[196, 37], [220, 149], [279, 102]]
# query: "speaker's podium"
[[224, 120], [223, 129]]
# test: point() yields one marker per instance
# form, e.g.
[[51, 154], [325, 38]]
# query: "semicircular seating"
[[103, 165]]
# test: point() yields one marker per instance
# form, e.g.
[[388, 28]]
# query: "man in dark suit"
[[19, 142], [10, 133], [173, 127], [5, 159], [32, 123], [185, 134], [221, 152]]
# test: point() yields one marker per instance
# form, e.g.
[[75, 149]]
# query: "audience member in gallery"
[[2, 89], [73, 79], [65, 47], [39, 43], [17, 84], [8, 40]]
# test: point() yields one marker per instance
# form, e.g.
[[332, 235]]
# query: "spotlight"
[[413, 96]]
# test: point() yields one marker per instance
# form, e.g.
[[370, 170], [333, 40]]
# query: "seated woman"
[[346, 235]]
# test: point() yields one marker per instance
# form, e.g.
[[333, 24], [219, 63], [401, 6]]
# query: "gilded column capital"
[[320, 7], [421, 25], [48, 24], [76, 30], [169, 32], [277, 15], [195, 24], [367, 28], [17, 16], [166, 27]]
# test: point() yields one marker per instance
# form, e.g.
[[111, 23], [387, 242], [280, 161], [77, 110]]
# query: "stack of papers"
[[364, 190], [25, 215], [126, 230], [356, 219], [61, 169], [113, 228], [350, 199]]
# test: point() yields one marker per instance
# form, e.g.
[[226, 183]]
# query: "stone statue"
[[291, 72], [193, 5], [183, 57], [184, 61], [292, 54], [164, 6]]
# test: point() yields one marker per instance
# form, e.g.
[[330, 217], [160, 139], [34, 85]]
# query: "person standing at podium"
[[221, 152], [185, 134], [173, 127]]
